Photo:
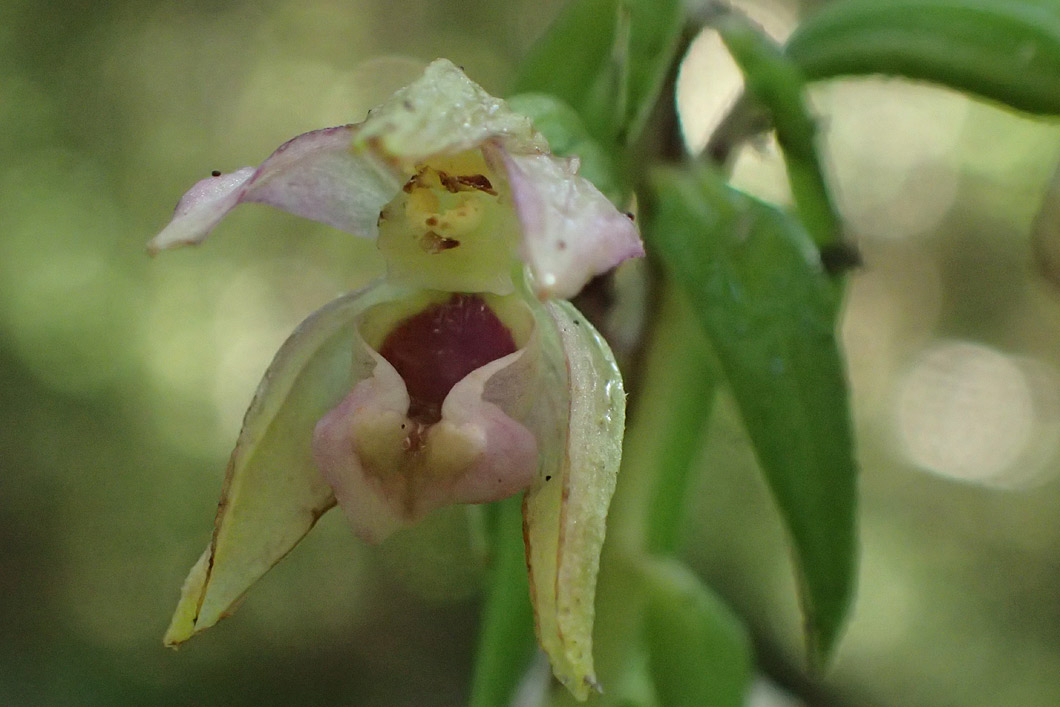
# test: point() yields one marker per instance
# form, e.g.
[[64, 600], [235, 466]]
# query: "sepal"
[[565, 510], [273, 493]]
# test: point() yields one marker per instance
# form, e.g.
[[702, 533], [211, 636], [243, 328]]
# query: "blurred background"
[[123, 379]]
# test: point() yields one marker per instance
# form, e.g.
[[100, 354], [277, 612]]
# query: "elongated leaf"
[[700, 654], [761, 295], [607, 59], [1005, 51], [778, 85]]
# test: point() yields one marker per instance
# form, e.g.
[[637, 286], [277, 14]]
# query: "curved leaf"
[[1004, 51], [769, 310], [700, 654]]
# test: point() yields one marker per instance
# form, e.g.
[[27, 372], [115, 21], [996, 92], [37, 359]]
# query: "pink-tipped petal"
[[317, 175], [201, 208], [508, 461], [361, 495], [571, 232]]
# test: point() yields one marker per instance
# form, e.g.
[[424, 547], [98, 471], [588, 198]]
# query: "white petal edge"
[[443, 113]]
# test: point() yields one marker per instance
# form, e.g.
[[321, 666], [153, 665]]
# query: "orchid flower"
[[462, 376]]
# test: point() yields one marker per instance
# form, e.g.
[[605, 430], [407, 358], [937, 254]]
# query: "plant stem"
[[506, 636]]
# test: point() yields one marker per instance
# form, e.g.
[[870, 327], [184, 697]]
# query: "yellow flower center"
[[451, 228]]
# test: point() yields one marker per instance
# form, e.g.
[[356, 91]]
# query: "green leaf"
[[769, 310], [608, 60], [700, 654], [567, 136], [778, 85], [1045, 233], [681, 380], [1004, 51]]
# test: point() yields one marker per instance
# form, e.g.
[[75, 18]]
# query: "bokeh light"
[[967, 411]]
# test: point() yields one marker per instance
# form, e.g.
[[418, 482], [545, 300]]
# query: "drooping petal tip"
[[571, 232], [200, 209], [316, 175]]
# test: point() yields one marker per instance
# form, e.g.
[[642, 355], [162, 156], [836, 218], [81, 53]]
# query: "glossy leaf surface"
[[758, 288]]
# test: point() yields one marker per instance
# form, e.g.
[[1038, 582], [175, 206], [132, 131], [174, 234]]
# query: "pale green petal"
[[443, 113], [566, 508], [273, 492]]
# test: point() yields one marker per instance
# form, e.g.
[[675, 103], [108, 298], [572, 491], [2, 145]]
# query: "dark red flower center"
[[435, 349]]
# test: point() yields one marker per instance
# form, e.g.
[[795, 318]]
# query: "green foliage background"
[[123, 379]]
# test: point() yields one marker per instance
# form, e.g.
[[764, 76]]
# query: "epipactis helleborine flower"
[[460, 377]]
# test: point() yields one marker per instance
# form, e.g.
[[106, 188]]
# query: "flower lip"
[[435, 349]]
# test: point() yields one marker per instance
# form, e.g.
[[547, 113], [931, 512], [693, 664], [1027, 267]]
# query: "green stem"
[[506, 636], [779, 86]]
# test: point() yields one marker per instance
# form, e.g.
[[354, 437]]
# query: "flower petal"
[[317, 175], [388, 471], [443, 113], [565, 510], [273, 493], [571, 232], [509, 459], [381, 401]]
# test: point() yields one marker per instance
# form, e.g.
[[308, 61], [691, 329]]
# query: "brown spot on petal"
[[434, 243], [478, 181], [215, 173], [413, 182], [466, 182]]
